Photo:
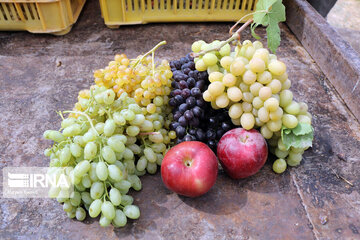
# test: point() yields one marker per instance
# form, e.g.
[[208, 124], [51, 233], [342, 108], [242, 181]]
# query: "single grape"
[[207, 96], [226, 61], [247, 121], [275, 86], [286, 85], [109, 127], [89, 136], [86, 198], [200, 65], [237, 68], [255, 88], [126, 200], [80, 214], [120, 219], [249, 77], [265, 93], [81, 168], [266, 132], [261, 52], [229, 80], [222, 100], [263, 114], [286, 97], [108, 154], [264, 77], [108, 210], [150, 155], [104, 221], [276, 115], [65, 155], [293, 108], [67, 207], [216, 88], [277, 67], [234, 94], [115, 196], [209, 59], [289, 121], [271, 104], [274, 126], [281, 154], [294, 159], [257, 65], [86, 181], [69, 131], [116, 142], [279, 166], [132, 211], [246, 107], [101, 171], [244, 87], [196, 46], [257, 103], [97, 190], [133, 130], [225, 50]]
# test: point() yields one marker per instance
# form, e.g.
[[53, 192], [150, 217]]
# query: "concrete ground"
[[310, 201]]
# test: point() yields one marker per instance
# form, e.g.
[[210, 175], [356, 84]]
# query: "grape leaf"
[[302, 129], [262, 7], [269, 13], [299, 137]]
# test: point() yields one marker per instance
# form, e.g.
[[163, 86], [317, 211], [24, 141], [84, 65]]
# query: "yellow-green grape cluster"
[[108, 141], [141, 78], [294, 113], [254, 86]]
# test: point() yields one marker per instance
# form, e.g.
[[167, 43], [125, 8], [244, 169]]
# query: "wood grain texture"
[[264, 206], [335, 57]]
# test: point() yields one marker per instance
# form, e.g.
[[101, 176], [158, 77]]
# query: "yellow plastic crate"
[[122, 12], [40, 16]]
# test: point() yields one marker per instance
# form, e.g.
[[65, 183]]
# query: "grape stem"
[[148, 133], [151, 51], [232, 38], [241, 28], [88, 118], [245, 24]]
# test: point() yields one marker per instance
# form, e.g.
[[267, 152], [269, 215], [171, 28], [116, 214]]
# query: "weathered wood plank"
[[335, 57]]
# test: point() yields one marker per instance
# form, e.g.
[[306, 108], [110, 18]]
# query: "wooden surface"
[[306, 202], [335, 57]]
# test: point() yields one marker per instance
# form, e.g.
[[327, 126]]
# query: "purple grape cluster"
[[193, 118]]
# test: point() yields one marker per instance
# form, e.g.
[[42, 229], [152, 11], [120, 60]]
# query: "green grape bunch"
[[108, 141], [253, 85]]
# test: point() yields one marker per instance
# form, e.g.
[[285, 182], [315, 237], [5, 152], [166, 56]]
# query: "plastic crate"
[[40, 16], [122, 12]]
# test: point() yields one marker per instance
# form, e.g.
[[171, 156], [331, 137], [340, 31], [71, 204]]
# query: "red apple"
[[242, 152], [189, 169]]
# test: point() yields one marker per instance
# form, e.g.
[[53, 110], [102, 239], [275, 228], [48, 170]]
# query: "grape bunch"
[[253, 86], [109, 140], [193, 118]]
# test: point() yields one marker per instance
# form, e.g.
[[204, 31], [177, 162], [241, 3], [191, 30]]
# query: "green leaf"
[[277, 11], [302, 129], [299, 137], [273, 35], [269, 13], [252, 27]]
